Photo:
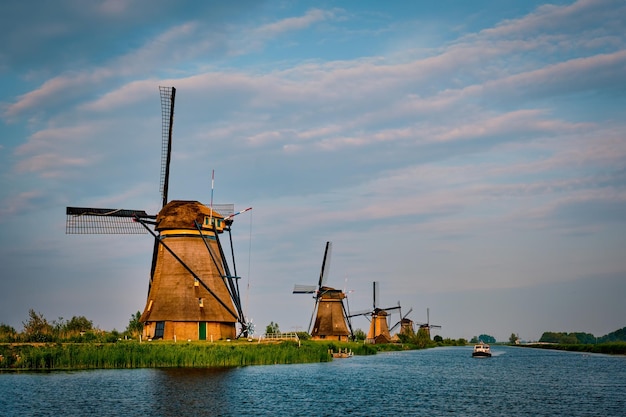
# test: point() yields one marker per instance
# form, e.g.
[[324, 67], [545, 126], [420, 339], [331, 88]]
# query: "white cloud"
[[571, 18], [452, 163], [293, 23]]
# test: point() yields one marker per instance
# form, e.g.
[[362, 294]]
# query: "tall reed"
[[157, 354]]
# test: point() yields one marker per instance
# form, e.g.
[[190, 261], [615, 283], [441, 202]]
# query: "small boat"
[[342, 354], [481, 350]]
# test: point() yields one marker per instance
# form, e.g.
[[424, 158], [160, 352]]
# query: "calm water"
[[433, 382]]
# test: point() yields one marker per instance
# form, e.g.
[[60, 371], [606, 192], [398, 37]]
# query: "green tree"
[[57, 329], [7, 333], [616, 336], [513, 338], [550, 337], [112, 336], [422, 338], [585, 338], [438, 339], [72, 329], [79, 324], [272, 328], [303, 335], [269, 329], [37, 328], [487, 338], [566, 338], [359, 335], [135, 327]]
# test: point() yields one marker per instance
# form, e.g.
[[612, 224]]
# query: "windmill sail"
[[304, 289], [168, 97], [89, 220], [325, 265]]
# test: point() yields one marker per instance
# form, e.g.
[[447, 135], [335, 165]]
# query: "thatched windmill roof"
[[180, 214]]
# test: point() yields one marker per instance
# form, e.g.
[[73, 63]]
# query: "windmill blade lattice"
[[168, 97], [325, 265], [90, 220], [304, 289]]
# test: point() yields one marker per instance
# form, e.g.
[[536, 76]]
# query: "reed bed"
[[156, 355]]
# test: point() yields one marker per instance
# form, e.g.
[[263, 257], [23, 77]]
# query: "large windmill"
[[379, 327], [192, 292], [331, 318]]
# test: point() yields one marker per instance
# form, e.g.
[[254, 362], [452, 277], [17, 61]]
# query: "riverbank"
[[162, 354], [610, 348]]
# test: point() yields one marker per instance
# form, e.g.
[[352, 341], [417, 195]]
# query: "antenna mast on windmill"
[[331, 318], [192, 293], [379, 328]]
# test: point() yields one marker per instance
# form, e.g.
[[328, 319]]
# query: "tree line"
[[580, 338], [485, 338], [38, 329]]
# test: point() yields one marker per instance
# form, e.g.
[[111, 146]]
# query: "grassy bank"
[[611, 348], [156, 355], [130, 354]]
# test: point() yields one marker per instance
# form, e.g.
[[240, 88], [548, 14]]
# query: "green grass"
[[156, 355], [164, 354]]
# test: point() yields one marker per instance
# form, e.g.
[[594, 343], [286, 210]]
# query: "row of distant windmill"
[[333, 317], [193, 292]]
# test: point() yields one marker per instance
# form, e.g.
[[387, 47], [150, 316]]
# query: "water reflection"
[[190, 391]]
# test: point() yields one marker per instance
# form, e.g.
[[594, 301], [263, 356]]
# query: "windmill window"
[[201, 302], [213, 222], [159, 330]]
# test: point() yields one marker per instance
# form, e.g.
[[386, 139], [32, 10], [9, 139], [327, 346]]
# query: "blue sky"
[[469, 156]]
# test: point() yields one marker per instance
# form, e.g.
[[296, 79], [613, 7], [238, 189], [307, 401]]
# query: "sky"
[[468, 156]]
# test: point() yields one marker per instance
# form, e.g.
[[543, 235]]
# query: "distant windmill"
[[331, 318], [406, 324], [427, 326], [192, 293], [379, 328]]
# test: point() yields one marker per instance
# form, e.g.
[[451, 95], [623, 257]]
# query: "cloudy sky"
[[469, 156]]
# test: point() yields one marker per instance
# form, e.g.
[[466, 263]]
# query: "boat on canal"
[[481, 350]]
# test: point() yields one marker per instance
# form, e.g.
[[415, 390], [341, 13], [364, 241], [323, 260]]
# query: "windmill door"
[[202, 330]]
